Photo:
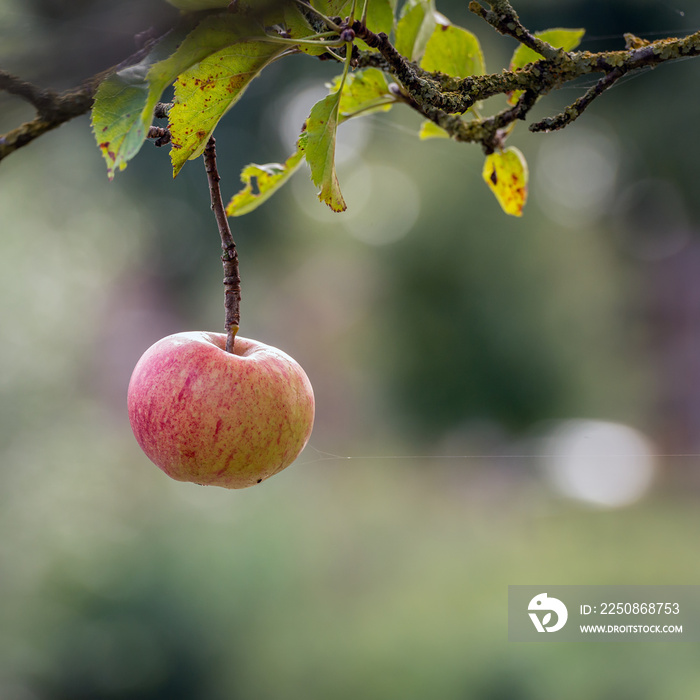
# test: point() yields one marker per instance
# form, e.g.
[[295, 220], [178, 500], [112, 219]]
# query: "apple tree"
[[390, 55]]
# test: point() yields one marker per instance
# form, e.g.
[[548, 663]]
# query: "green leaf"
[[318, 143], [205, 92], [364, 91], [453, 51], [230, 52], [567, 39], [299, 28], [123, 109], [380, 15], [414, 27], [267, 179], [212, 34], [332, 8], [125, 102], [213, 84], [430, 130], [506, 174], [215, 60]]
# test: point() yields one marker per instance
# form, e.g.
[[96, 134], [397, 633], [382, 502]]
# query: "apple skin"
[[211, 417]]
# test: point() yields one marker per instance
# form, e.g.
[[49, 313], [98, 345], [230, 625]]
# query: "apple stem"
[[229, 257]]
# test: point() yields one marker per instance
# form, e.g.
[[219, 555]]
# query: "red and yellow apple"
[[208, 416]]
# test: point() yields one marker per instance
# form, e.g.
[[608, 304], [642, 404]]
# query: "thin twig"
[[53, 109], [576, 108], [504, 19], [42, 100], [229, 257]]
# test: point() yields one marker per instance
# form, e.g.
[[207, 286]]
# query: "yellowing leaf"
[[205, 92], [364, 91], [267, 179], [430, 130], [216, 64], [506, 174], [453, 51], [197, 52], [318, 143]]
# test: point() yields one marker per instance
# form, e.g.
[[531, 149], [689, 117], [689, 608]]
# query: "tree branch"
[[53, 109], [229, 257], [442, 98], [576, 108], [505, 20], [417, 81], [439, 97]]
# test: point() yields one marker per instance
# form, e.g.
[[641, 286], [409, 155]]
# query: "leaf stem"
[[327, 20], [229, 257], [381, 102], [319, 41], [364, 13], [336, 56]]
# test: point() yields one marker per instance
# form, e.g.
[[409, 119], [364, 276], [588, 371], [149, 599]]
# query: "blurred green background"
[[460, 359]]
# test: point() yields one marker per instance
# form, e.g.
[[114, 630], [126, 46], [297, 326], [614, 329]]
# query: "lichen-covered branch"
[[505, 20], [417, 81], [53, 109], [441, 98], [614, 65], [576, 108]]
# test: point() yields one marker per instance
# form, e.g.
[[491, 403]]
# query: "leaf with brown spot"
[[266, 179], [506, 174], [125, 101], [205, 92], [124, 104]]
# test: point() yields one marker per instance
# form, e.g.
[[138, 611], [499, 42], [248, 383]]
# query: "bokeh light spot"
[[601, 463]]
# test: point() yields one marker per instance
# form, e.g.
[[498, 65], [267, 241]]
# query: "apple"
[[208, 416]]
